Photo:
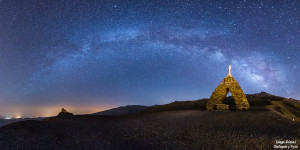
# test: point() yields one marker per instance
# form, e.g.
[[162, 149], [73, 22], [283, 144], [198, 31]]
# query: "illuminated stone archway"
[[219, 95]]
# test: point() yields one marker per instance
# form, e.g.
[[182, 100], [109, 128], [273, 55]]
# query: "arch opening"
[[230, 101]]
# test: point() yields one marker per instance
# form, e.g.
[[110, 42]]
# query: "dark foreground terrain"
[[258, 128], [7, 121]]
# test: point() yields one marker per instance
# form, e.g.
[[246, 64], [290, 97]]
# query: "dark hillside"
[[122, 110], [178, 105]]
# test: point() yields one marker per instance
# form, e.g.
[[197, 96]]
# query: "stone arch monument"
[[219, 95]]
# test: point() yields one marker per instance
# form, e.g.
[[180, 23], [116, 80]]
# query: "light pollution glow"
[[48, 111]]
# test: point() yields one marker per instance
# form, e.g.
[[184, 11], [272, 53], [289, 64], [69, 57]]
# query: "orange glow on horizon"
[[48, 111], [18, 116]]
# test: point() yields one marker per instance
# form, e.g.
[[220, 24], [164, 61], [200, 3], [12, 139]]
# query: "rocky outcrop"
[[219, 95], [64, 113]]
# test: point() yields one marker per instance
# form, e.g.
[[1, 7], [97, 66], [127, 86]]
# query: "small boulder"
[[222, 107]]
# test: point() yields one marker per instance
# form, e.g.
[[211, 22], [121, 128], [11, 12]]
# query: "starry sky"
[[91, 55]]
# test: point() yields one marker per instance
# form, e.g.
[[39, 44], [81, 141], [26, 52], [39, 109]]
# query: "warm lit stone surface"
[[222, 107], [218, 96]]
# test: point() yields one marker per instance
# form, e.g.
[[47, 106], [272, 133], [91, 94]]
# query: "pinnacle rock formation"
[[64, 113], [219, 95]]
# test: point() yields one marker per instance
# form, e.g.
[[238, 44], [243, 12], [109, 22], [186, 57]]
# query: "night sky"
[[92, 55]]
